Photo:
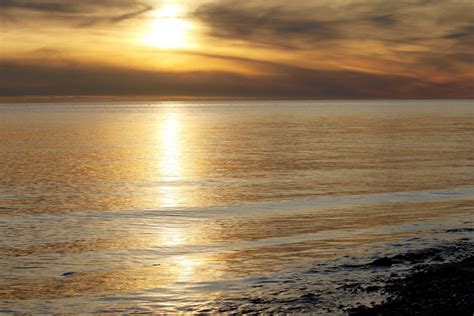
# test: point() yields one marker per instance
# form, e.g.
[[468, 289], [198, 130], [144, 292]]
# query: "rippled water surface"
[[225, 206]]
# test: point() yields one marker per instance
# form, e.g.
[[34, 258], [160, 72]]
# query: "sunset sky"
[[323, 49]]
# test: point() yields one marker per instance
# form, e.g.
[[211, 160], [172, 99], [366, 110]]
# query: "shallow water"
[[244, 206]]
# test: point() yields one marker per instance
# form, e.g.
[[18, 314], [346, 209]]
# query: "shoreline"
[[430, 289]]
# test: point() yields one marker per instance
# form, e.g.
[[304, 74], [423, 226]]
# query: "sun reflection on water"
[[170, 143], [170, 160], [187, 267], [184, 266]]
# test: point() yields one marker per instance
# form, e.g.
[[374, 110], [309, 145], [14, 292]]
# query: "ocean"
[[232, 206]]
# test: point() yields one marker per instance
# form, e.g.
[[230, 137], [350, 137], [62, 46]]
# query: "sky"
[[301, 49]]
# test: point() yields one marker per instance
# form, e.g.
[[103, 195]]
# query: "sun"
[[169, 29]]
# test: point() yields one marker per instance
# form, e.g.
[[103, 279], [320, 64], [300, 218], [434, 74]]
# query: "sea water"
[[245, 206]]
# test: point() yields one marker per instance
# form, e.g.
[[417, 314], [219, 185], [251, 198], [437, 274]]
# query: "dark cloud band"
[[27, 79], [81, 13]]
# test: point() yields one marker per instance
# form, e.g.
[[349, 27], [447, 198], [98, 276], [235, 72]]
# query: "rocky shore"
[[439, 289]]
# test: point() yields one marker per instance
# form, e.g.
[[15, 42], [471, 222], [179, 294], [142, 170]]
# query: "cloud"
[[90, 21], [384, 20], [426, 38], [82, 13], [65, 79], [461, 33], [273, 25], [42, 6], [306, 25]]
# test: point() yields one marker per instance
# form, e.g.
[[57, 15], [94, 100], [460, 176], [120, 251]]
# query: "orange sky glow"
[[322, 49]]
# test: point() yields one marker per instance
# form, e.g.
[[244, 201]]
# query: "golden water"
[[199, 206]]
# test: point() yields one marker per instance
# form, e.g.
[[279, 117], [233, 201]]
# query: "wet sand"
[[445, 288]]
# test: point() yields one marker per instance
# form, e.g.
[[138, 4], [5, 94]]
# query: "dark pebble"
[[382, 262], [372, 288], [309, 296]]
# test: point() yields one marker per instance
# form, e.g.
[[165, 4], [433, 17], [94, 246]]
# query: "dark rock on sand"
[[351, 287], [66, 274], [310, 297], [421, 256], [372, 288], [382, 262], [461, 230]]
